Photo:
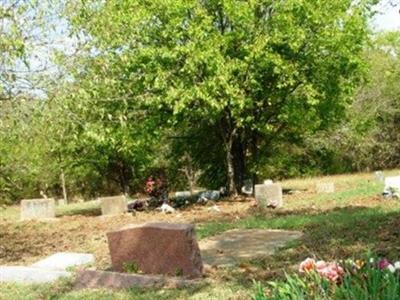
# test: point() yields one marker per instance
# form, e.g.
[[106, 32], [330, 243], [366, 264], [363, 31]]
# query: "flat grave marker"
[[233, 246]]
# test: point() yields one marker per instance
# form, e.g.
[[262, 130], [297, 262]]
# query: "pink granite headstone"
[[156, 248]]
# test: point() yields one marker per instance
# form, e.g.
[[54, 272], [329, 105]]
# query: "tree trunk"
[[64, 188], [124, 174], [232, 190], [230, 163], [255, 152], [238, 153]]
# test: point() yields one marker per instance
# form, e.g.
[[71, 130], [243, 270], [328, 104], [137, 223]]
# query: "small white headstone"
[[269, 195], [325, 187], [379, 176], [268, 181], [29, 275], [63, 260], [392, 185], [113, 205], [37, 209]]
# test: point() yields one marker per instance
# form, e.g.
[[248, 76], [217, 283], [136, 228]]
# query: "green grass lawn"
[[345, 224]]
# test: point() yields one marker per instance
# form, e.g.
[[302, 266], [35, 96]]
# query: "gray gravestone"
[[37, 209], [325, 187], [269, 195], [113, 205]]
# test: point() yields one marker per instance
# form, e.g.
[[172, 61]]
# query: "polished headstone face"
[[325, 187], [113, 205], [156, 248], [37, 209], [269, 195]]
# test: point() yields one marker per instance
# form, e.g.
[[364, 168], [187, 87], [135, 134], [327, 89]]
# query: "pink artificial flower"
[[321, 264], [331, 271], [307, 265], [383, 263]]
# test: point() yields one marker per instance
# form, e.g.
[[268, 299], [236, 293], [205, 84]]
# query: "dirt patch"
[[27, 242]]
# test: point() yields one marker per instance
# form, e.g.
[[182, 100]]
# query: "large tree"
[[253, 71]]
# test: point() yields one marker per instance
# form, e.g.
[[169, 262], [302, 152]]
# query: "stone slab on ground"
[[233, 246], [115, 280], [157, 248], [34, 209], [63, 260], [325, 187], [29, 275], [269, 195], [113, 205]]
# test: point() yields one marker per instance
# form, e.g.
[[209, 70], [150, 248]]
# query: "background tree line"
[[211, 92]]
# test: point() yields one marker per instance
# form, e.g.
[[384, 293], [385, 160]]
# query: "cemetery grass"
[[350, 222]]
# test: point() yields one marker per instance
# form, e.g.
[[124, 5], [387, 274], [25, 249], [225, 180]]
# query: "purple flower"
[[383, 263]]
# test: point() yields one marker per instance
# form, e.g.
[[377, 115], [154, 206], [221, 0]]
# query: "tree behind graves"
[[256, 72]]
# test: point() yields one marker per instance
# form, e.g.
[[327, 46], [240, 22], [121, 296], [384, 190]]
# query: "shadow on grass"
[[334, 234]]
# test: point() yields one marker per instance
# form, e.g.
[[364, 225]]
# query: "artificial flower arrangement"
[[370, 278], [155, 187], [335, 271]]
